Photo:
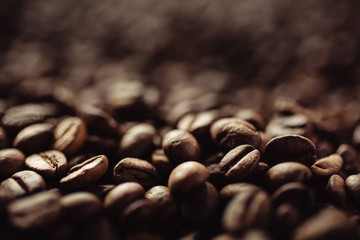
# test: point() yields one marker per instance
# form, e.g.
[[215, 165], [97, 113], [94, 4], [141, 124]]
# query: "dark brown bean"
[[327, 166], [290, 148], [240, 163], [351, 161], [34, 138], [162, 163], [230, 190], [136, 170], [50, 164], [180, 146], [138, 215], [352, 184], [121, 196], [138, 141], [20, 116], [290, 124], [246, 210], [286, 172], [186, 177], [229, 133], [335, 190], [200, 207], [22, 183], [3, 138], [36, 211], [329, 223], [86, 173], [70, 134], [80, 207], [253, 117], [11, 161]]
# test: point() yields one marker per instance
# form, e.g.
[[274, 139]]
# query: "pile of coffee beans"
[[128, 160]]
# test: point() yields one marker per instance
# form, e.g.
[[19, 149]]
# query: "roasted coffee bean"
[[121, 196], [329, 223], [253, 117], [180, 146], [20, 116], [22, 183], [296, 194], [70, 134], [162, 163], [290, 148], [86, 173], [352, 184], [138, 141], [138, 215], [351, 161], [240, 163], [80, 207], [259, 172], [36, 211], [297, 124], [136, 170], [356, 135], [97, 120], [327, 166], [11, 161], [335, 190], [246, 210], [186, 177], [285, 218], [229, 133], [34, 138], [166, 207], [286, 172], [50, 164], [230, 190], [200, 207]]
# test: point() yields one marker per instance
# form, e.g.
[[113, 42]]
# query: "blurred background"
[[185, 55]]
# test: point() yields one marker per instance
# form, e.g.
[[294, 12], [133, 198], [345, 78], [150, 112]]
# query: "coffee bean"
[[286, 172], [186, 177], [351, 161], [35, 212], [70, 134], [229, 133], [138, 215], [356, 135], [180, 146], [297, 124], [230, 190], [97, 120], [296, 194], [34, 138], [329, 223], [239, 163], [11, 161], [136, 170], [121, 196], [352, 184], [86, 173], [166, 207], [23, 182], [80, 207], [217, 177], [327, 166], [161, 163], [335, 190], [200, 207], [285, 218], [50, 164], [246, 210], [253, 117], [138, 141], [20, 116], [290, 148]]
